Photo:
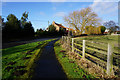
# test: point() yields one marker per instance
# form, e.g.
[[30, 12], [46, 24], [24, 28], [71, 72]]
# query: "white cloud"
[[106, 10], [104, 7], [59, 14], [42, 13]]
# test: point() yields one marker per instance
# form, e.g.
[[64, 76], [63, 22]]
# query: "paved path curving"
[[48, 66]]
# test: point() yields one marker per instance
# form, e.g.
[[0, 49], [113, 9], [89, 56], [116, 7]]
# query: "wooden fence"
[[97, 52]]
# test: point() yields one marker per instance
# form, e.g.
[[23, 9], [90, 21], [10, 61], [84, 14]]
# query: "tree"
[[62, 31], [51, 28], [111, 25], [12, 26], [91, 30], [102, 29], [24, 18], [1, 22], [40, 33], [80, 19], [28, 30], [94, 30], [14, 30]]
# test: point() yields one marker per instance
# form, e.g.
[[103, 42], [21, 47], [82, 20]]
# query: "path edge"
[[32, 64]]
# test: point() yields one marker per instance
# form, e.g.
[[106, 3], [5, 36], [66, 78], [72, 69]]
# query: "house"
[[107, 31], [58, 26]]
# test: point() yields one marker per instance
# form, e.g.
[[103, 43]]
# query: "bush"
[[118, 32]]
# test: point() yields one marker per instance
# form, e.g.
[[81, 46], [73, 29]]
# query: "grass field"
[[97, 47], [102, 44], [114, 40], [17, 61], [71, 69]]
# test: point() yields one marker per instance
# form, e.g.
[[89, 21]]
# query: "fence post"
[[66, 38], [83, 55], [62, 39], [72, 44], [110, 59]]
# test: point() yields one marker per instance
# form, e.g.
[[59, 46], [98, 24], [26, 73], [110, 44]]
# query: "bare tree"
[[80, 19], [111, 25]]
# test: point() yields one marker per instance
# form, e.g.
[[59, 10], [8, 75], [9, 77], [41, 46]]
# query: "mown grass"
[[71, 69], [114, 40], [99, 49], [17, 61]]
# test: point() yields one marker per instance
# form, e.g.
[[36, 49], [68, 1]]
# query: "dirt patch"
[[6, 58], [117, 72], [26, 58], [38, 43], [19, 72], [78, 58], [11, 63], [62, 51], [84, 77], [71, 61], [29, 53], [63, 56], [19, 67], [8, 68], [92, 68]]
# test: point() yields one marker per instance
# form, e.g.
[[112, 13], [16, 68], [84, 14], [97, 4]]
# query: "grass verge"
[[69, 66], [17, 62]]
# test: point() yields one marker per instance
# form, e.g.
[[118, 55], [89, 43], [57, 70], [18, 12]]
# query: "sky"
[[54, 10]]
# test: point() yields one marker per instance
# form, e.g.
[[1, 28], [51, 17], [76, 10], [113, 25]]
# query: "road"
[[11, 44]]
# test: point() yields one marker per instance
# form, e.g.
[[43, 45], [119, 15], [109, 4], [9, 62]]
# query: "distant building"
[[107, 31], [60, 26], [47, 29]]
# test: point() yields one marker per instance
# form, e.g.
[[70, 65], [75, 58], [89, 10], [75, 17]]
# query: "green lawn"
[[98, 51], [17, 61], [106, 38], [114, 40], [71, 69]]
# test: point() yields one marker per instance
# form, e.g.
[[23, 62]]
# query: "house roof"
[[60, 25]]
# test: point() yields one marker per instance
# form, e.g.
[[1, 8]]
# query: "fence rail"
[[97, 52]]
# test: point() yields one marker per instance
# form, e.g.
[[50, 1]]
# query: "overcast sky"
[[53, 10]]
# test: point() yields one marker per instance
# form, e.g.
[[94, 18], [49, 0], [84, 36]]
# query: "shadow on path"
[[48, 66]]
